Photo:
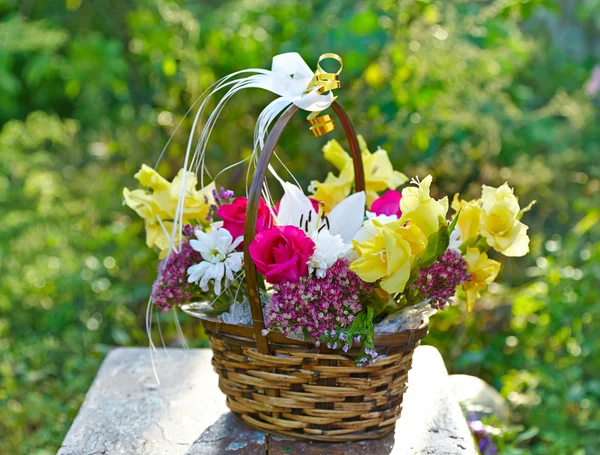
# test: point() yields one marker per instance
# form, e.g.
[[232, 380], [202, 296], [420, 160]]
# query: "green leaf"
[[453, 224], [306, 334], [437, 243]]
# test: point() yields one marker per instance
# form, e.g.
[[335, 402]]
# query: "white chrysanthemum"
[[328, 249], [220, 260]]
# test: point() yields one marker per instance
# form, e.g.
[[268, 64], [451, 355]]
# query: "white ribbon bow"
[[290, 79]]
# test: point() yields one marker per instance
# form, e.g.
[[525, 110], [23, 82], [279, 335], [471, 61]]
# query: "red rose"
[[234, 216], [281, 253]]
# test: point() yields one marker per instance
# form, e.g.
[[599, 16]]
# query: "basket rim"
[[247, 331]]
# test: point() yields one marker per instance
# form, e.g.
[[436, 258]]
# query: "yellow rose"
[[420, 208], [158, 207], [379, 174], [500, 224], [387, 257], [469, 220], [483, 271]]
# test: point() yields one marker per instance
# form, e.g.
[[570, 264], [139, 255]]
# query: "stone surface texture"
[[127, 412]]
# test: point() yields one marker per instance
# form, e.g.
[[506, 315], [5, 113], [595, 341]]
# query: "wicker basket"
[[292, 388]]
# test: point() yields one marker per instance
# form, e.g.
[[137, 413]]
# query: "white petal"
[[368, 229], [217, 286], [224, 240], [196, 271], [204, 282], [347, 217], [228, 272], [294, 206], [200, 246], [234, 261], [236, 243]]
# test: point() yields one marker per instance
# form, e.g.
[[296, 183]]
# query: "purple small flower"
[[225, 194], [171, 287], [484, 440], [439, 281]]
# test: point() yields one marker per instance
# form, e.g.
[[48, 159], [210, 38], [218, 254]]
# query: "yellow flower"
[[158, 207], [500, 223], [379, 174], [410, 232], [469, 220], [334, 189], [420, 208], [387, 257], [483, 272], [336, 155]]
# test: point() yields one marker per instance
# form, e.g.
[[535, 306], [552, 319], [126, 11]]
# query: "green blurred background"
[[470, 91]]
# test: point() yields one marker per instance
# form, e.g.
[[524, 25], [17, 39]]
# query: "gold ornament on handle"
[[322, 124]]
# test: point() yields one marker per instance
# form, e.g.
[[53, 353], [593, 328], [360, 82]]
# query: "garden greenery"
[[472, 92]]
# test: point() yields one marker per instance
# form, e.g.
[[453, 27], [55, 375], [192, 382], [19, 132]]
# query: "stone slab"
[[127, 412]]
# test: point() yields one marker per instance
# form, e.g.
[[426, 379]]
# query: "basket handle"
[[254, 198]]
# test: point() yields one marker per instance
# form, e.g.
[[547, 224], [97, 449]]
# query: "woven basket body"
[[303, 392], [289, 387]]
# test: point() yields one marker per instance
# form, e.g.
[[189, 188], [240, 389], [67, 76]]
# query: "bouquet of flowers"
[[332, 272], [323, 296]]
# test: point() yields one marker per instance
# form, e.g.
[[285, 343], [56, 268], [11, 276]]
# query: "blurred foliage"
[[473, 92]]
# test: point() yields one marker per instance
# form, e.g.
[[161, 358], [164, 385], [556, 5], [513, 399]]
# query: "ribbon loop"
[[325, 82]]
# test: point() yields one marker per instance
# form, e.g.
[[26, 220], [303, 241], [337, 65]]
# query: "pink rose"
[[388, 204], [281, 253], [234, 215]]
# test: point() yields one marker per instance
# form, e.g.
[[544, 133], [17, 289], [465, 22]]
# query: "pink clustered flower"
[[316, 305], [439, 281], [171, 287]]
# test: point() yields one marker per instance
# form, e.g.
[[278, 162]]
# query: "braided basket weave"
[[292, 388]]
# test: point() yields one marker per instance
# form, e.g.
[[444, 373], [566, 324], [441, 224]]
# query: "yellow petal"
[[156, 236], [483, 271], [471, 296], [190, 180], [469, 220], [148, 177], [397, 251], [410, 232], [362, 144], [372, 196], [336, 155], [332, 191], [370, 267], [397, 281], [142, 202], [504, 193], [520, 241]]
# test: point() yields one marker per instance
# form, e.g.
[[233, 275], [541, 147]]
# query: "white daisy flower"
[[220, 260], [328, 249]]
